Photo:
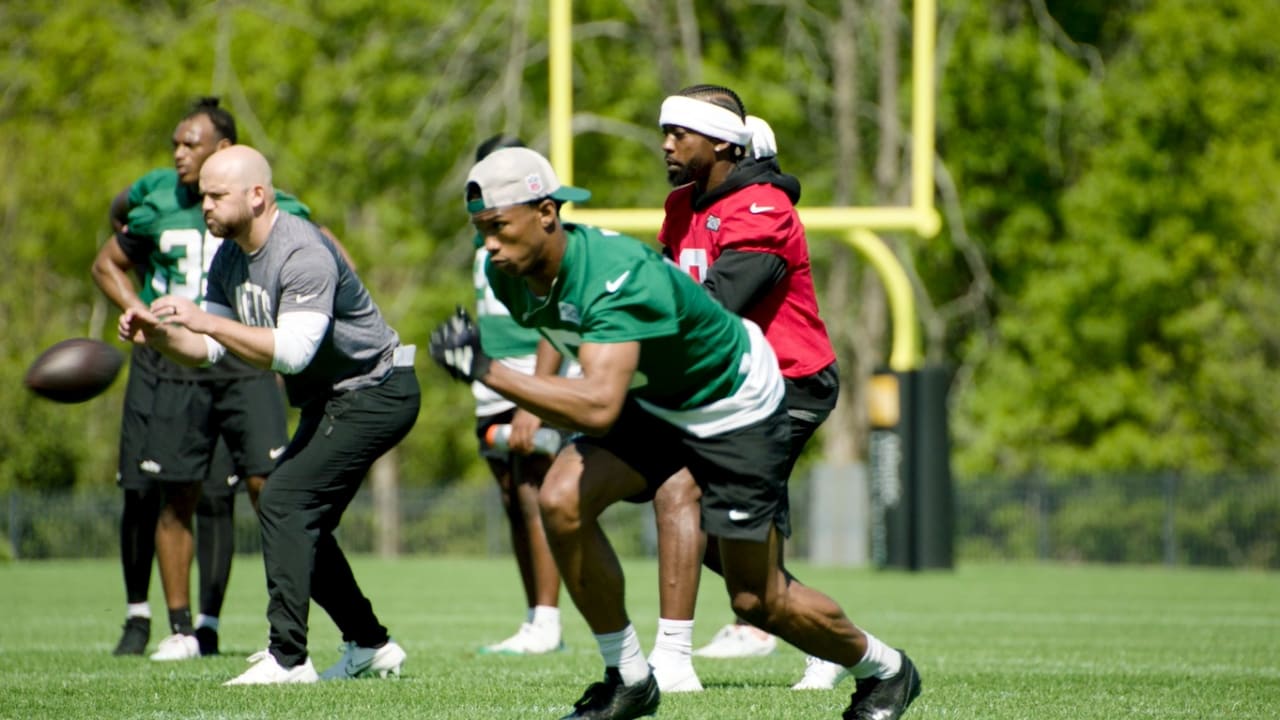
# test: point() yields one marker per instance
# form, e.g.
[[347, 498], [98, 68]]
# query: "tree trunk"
[[385, 479]]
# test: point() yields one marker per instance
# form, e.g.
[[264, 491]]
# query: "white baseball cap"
[[512, 176]]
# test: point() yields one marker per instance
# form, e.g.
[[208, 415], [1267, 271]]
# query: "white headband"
[[719, 123], [710, 120]]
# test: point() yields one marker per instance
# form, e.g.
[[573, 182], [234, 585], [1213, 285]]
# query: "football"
[[74, 370]]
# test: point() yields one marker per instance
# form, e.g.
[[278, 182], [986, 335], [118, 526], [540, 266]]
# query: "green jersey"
[[172, 249], [612, 288], [499, 334], [168, 240]]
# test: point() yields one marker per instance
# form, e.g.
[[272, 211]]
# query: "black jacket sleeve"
[[741, 279]]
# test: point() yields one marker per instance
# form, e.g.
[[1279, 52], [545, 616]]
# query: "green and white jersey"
[[171, 247], [503, 340], [500, 336], [701, 367], [166, 222]]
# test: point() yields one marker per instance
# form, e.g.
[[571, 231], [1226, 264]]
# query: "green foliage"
[[1116, 168], [1134, 337]]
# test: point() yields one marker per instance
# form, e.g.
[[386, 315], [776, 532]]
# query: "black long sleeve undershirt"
[[741, 279]]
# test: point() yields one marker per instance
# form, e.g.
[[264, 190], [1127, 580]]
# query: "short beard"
[[682, 175], [228, 231]]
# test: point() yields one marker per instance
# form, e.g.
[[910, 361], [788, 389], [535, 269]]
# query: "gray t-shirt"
[[299, 269]]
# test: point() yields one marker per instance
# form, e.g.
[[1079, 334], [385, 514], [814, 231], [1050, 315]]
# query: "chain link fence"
[[1166, 519]]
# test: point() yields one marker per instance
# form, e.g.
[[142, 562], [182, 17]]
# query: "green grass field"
[[993, 642]]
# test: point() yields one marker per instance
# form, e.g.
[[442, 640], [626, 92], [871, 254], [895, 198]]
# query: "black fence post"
[[912, 500]]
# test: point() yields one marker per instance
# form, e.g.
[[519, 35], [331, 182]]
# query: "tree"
[[1136, 338]]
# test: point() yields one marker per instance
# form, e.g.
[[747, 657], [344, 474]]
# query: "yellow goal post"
[[856, 225]]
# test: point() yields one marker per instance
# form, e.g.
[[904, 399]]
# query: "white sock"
[[142, 610], [674, 643], [880, 661], [622, 650], [208, 621], [545, 616]]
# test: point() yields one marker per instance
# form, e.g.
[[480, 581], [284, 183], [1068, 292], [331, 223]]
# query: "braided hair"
[[223, 123], [718, 95]]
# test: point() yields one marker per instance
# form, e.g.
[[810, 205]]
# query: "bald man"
[[281, 297], [191, 439]]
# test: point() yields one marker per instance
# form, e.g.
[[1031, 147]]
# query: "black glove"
[[455, 346]]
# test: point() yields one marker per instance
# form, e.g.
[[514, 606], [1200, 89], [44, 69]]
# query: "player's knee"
[[559, 509], [678, 494], [273, 505]]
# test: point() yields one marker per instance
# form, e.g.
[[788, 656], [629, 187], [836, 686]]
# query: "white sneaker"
[[177, 647], [530, 639], [738, 641], [675, 677], [357, 662], [266, 671], [820, 674]]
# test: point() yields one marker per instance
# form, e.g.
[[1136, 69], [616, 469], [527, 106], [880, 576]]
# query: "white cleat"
[[738, 641], [361, 662], [676, 677], [820, 674], [177, 647], [530, 639], [267, 671]]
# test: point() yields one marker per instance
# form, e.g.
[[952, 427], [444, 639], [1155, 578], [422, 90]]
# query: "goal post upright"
[[856, 226]]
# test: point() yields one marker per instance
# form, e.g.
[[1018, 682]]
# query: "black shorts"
[[742, 473], [210, 431], [810, 400]]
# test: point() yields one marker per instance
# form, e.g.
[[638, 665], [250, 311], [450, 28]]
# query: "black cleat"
[[888, 699], [207, 637], [611, 700], [137, 633]]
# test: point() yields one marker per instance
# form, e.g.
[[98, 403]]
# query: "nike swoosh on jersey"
[[614, 284], [274, 453], [739, 515], [757, 209], [303, 298]]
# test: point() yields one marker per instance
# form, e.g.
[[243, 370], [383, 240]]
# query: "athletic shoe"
[[887, 699], [137, 633], [357, 662], [177, 647], [528, 640], [738, 641], [674, 677], [820, 674], [267, 671], [208, 639], [611, 700]]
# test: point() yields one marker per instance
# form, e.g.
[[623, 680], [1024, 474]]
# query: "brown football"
[[74, 370]]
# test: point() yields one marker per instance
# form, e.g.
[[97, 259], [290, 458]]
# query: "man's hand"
[[523, 426], [136, 325], [455, 346], [182, 312]]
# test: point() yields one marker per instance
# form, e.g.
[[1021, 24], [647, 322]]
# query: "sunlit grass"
[[993, 642]]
